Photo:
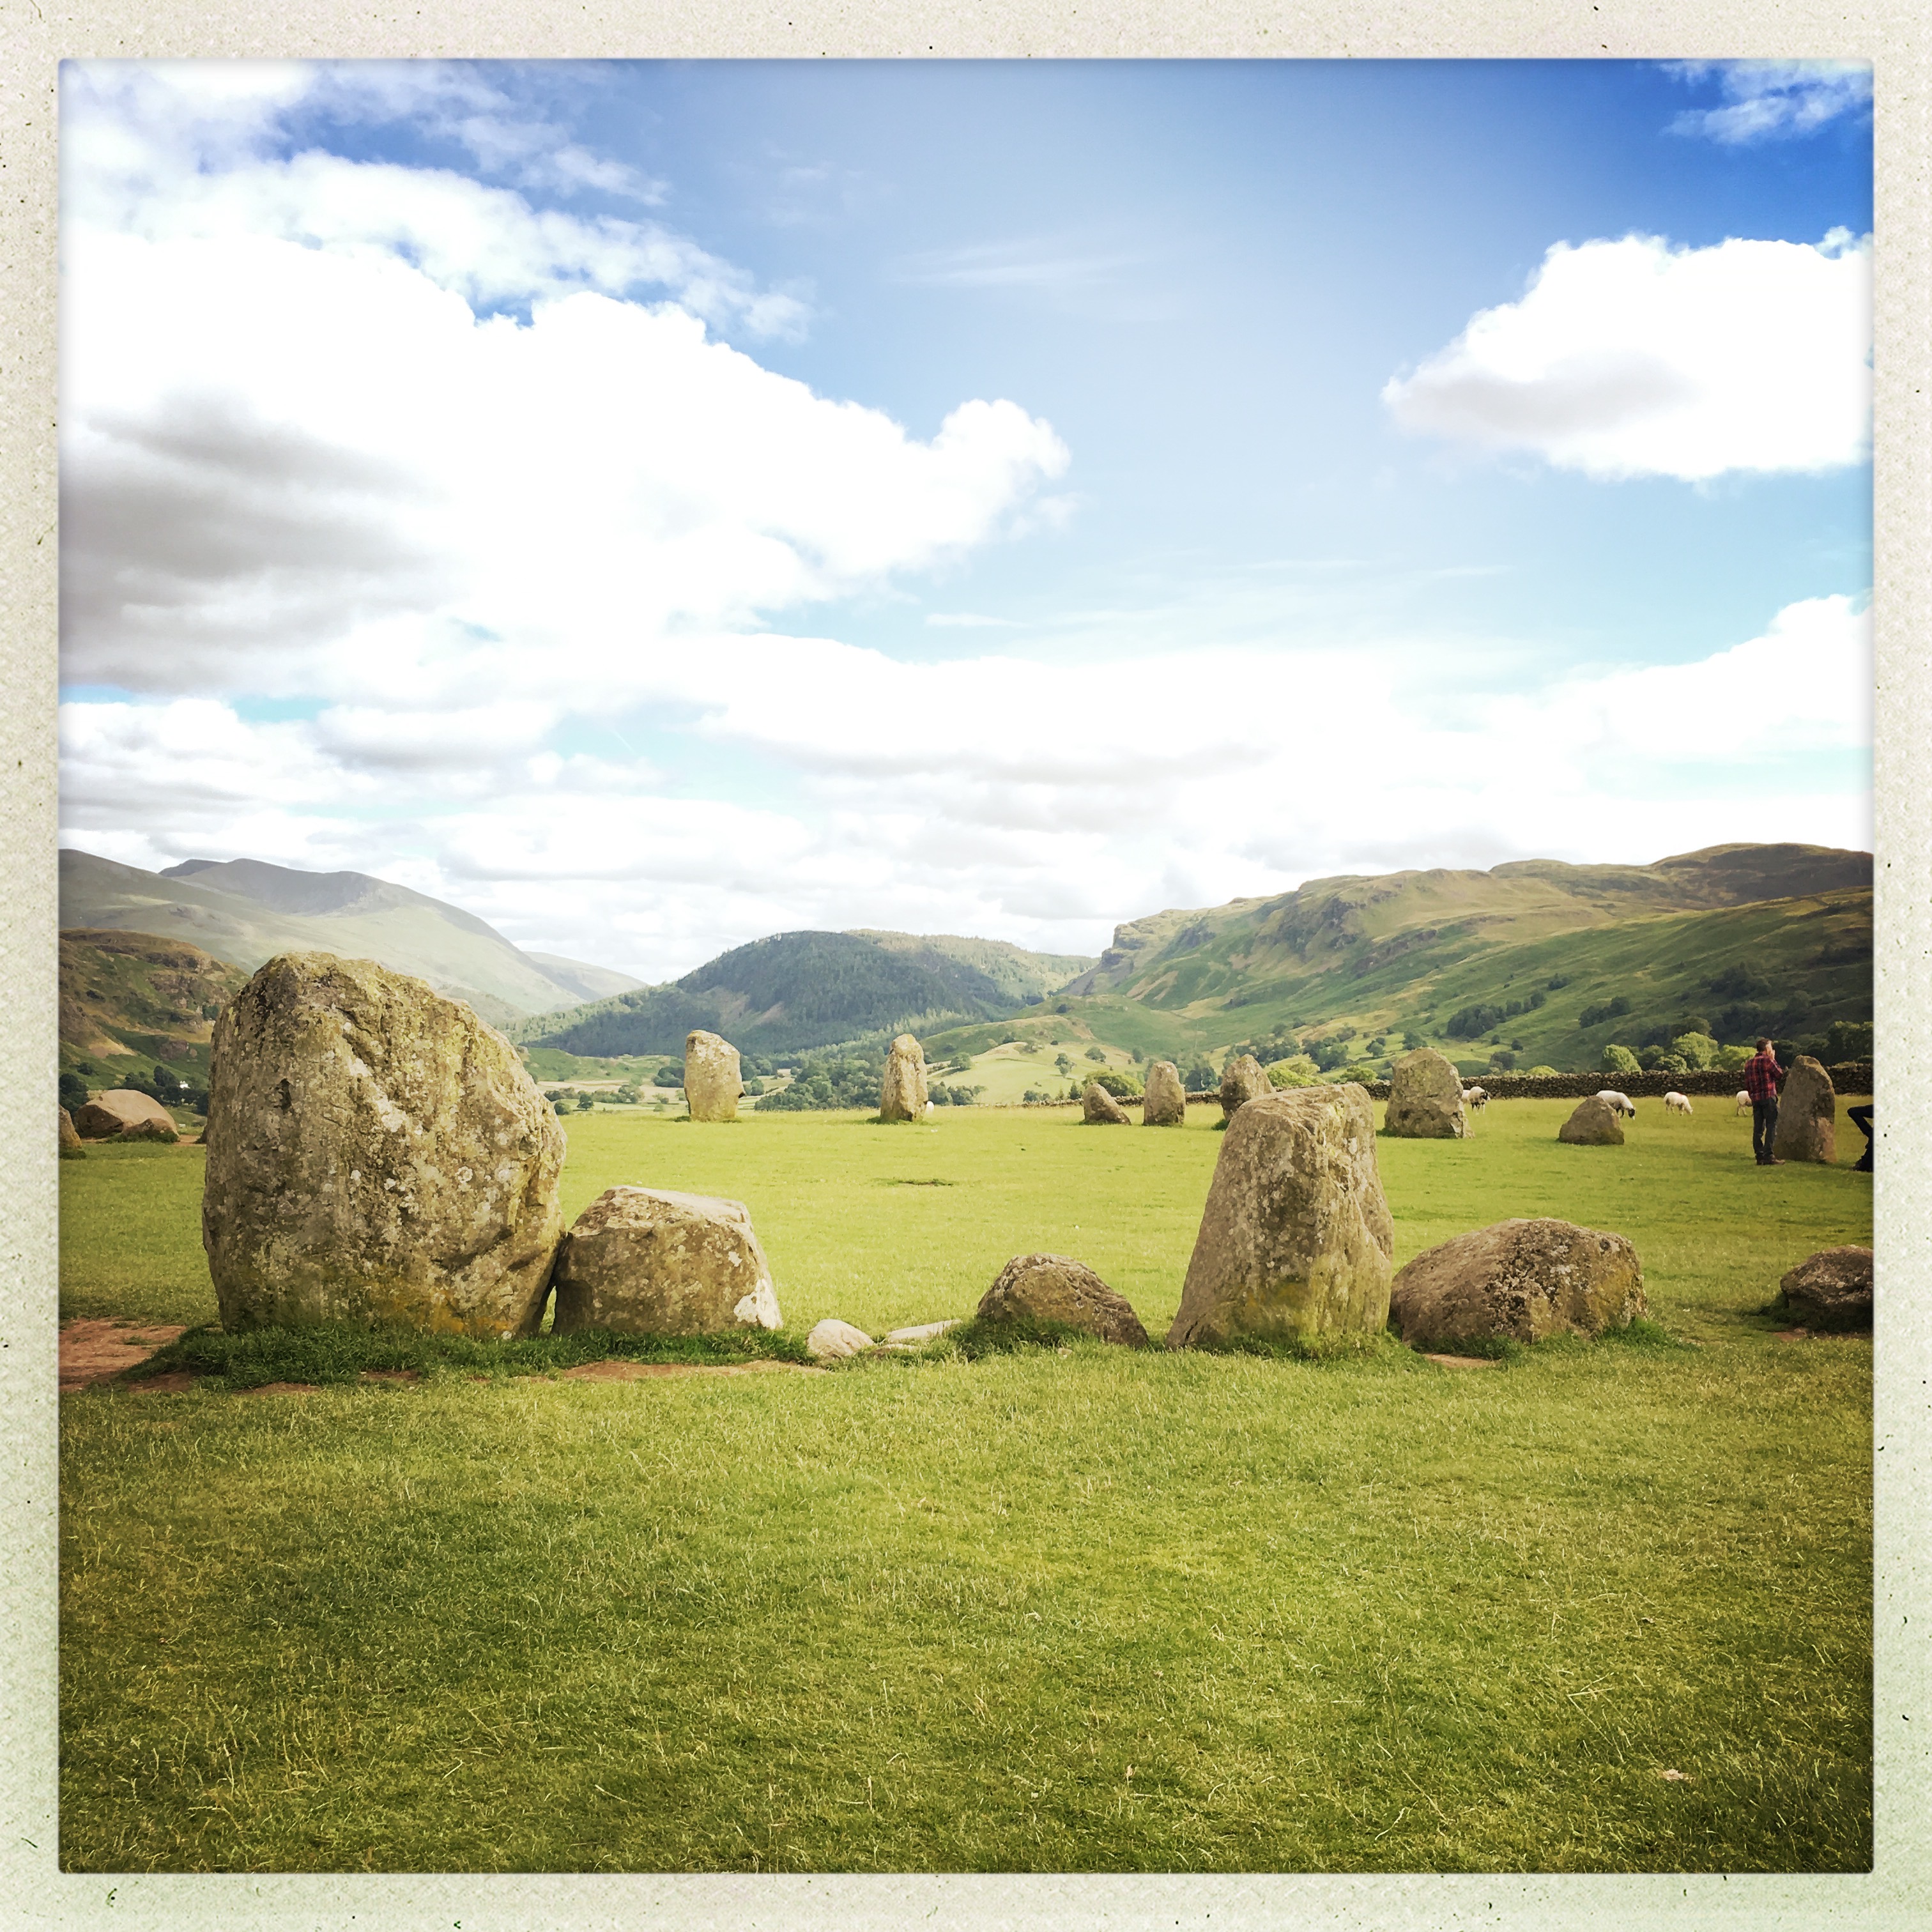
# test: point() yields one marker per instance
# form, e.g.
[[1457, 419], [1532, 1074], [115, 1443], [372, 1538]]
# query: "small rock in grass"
[[1517, 1281], [911, 1338], [1831, 1291], [1164, 1104], [1055, 1287], [1100, 1109], [645, 1261], [832, 1340], [1594, 1124]]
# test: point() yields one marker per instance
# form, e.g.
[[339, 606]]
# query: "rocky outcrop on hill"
[[1830, 1292], [1425, 1100], [902, 1094], [1807, 1114], [1296, 1236], [1098, 1108], [375, 1153], [1595, 1122], [1242, 1080], [712, 1079], [1054, 1288], [1518, 1281], [645, 1261], [1164, 1104], [117, 1110]]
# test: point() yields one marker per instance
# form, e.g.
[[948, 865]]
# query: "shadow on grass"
[[338, 1353]]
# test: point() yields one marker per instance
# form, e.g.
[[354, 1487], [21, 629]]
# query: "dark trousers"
[[1764, 1129], [1861, 1117]]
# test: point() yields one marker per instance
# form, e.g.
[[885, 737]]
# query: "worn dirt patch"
[[392, 1375], [97, 1351], [281, 1388], [637, 1371], [173, 1383], [1463, 1361], [1792, 1335]]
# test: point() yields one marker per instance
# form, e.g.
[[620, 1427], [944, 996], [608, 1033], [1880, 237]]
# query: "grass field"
[[1096, 1611]]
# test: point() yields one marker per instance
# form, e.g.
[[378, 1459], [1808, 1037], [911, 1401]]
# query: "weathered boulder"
[[1425, 1102], [1830, 1290], [375, 1153], [1595, 1122], [1054, 1288], [1518, 1281], [644, 1261], [712, 1080], [1296, 1236], [118, 1109], [832, 1340], [1164, 1103], [1807, 1113], [1242, 1080], [919, 1334], [902, 1094], [166, 1132], [1099, 1109], [70, 1148]]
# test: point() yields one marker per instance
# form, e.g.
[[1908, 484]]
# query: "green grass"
[[1359, 1613]]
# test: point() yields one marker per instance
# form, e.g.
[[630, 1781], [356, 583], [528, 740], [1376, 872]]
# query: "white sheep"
[[1475, 1098], [1618, 1101], [1744, 1101], [1677, 1103]]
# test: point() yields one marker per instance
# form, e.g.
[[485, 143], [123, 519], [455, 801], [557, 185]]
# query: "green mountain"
[[129, 1002], [244, 911], [798, 990], [1533, 957]]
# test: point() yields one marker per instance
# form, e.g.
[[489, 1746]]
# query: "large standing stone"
[[1242, 1080], [117, 1109], [1594, 1122], [1518, 1281], [712, 1079], [1425, 1102], [1164, 1103], [1830, 1290], [902, 1094], [644, 1261], [70, 1148], [375, 1153], [1807, 1113], [1098, 1108], [1054, 1288], [1296, 1237]]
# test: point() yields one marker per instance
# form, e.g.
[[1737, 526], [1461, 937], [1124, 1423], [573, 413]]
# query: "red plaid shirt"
[[1761, 1076]]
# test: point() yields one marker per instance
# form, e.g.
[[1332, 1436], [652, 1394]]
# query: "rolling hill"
[[244, 911], [129, 1002]]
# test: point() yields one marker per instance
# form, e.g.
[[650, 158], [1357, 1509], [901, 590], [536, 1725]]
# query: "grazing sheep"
[[1475, 1098], [1677, 1103], [1620, 1102], [1744, 1101]]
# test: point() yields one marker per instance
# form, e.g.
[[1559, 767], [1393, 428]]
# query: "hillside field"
[[1097, 1611]]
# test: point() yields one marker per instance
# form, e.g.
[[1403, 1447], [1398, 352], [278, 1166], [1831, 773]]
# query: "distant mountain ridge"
[[243, 911]]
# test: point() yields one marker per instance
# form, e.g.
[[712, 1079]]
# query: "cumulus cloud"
[[1772, 100], [1633, 358]]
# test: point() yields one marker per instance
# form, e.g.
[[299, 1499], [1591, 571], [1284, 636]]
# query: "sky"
[[652, 506]]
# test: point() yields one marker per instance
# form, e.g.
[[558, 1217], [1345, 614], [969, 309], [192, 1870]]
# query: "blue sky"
[[1228, 490]]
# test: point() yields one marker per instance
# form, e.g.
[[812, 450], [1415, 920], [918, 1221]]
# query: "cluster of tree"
[[569, 1103], [1605, 1010], [824, 1082], [1471, 1022], [1122, 1086], [1279, 1044], [1299, 1070], [941, 1095], [164, 1084]]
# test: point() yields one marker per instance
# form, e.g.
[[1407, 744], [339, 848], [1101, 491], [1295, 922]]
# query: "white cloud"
[[1633, 358], [1770, 101]]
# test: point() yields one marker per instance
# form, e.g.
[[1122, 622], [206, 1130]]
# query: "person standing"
[[1763, 1076]]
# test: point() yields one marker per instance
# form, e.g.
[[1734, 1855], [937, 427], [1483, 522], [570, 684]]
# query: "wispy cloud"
[[968, 620], [1041, 263], [1772, 100]]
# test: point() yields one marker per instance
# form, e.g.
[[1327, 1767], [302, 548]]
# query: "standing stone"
[[902, 1095], [70, 1148], [1807, 1110], [1098, 1108], [1425, 1102], [1518, 1281], [712, 1079], [1830, 1292], [1595, 1122], [1296, 1237], [375, 1153], [117, 1109], [1055, 1287], [644, 1261], [1164, 1104], [1242, 1080]]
